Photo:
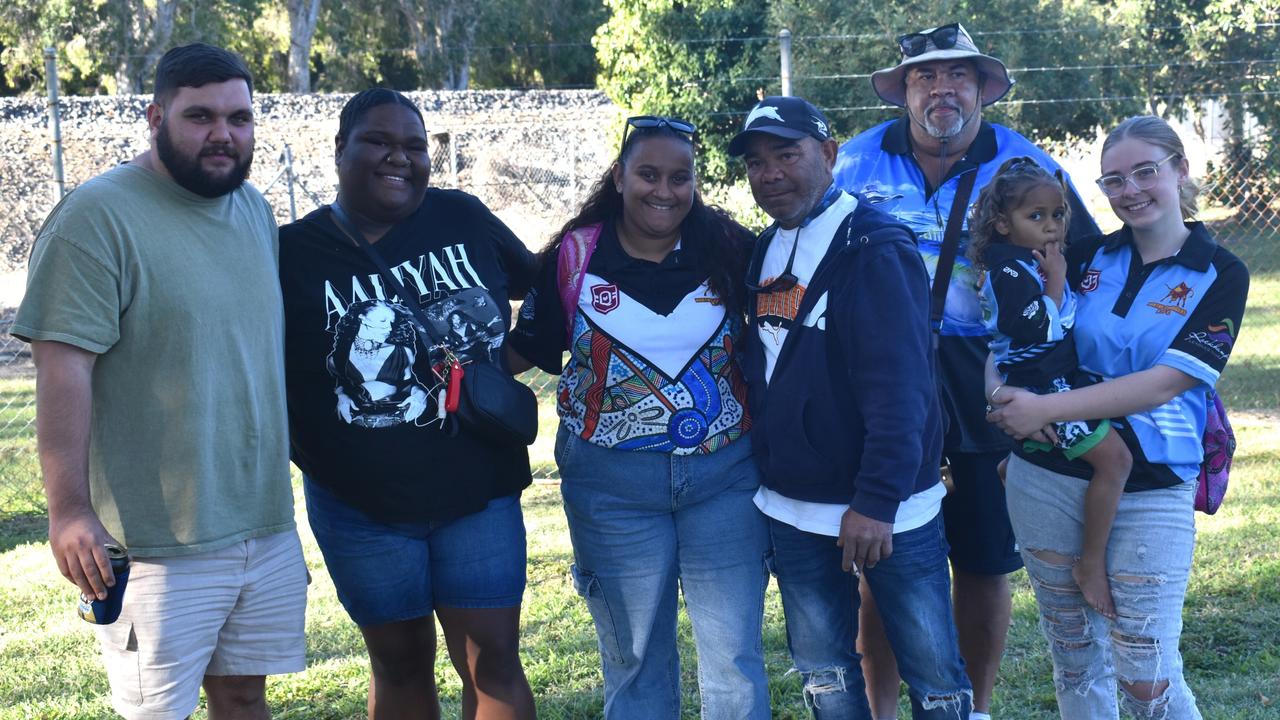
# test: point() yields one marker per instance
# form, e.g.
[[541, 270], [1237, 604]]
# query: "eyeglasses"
[[1143, 177], [943, 38], [650, 122]]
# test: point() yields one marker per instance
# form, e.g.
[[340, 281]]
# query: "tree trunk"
[[415, 14], [145, 36], [302, 27]]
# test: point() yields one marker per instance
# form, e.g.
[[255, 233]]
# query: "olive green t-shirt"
[[179, 297]]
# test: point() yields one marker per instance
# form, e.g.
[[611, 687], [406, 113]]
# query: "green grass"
[[51, 667], [1252, 377]]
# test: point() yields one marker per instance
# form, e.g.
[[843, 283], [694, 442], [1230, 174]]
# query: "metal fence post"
[[784, 48], [453, 160], [288, 178], [55, 125]]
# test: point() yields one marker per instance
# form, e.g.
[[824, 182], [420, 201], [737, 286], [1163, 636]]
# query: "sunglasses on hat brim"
[[942, 38]]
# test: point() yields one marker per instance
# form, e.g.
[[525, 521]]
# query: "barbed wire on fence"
[[541, 173]]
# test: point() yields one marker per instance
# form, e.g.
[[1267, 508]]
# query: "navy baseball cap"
[[785, 117]]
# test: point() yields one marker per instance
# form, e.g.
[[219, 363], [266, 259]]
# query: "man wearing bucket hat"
[[839, 309], [915, 168]]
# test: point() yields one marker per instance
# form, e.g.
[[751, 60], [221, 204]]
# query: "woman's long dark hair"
[[726, 247]]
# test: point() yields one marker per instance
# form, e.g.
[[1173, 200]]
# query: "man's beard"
[[944, 132], [187, 172]]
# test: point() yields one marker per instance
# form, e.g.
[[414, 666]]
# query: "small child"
[[1018, 227]]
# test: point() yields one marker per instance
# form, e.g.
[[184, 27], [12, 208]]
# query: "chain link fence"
[[1241, 203], [534, 185], [542, 171]]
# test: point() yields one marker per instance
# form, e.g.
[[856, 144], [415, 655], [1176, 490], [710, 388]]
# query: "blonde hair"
[[1156, 132]]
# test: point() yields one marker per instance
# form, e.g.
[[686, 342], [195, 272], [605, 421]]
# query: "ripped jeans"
[[913, 590], [1148, 561]]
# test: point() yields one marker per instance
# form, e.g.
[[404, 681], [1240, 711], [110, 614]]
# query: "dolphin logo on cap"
[[763, 111]]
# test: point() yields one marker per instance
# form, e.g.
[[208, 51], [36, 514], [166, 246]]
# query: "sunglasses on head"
[[943, 38], [651, 122]]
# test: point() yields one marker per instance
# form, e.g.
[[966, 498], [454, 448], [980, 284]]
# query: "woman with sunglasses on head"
[[1159, 306], [644, 289], [416, 521]]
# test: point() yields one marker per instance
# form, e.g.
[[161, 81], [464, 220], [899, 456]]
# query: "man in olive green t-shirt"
[[154, 313]]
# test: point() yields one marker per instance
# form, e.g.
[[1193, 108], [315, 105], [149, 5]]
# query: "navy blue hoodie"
[[852, 413]]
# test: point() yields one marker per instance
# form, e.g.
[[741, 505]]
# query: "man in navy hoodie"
[[847, 423]]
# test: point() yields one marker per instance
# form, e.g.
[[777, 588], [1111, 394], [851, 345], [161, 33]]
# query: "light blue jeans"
[[1148, 561], [913, 591], [642, 521]]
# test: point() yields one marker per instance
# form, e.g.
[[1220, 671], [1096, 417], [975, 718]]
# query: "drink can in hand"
[[105, 612]]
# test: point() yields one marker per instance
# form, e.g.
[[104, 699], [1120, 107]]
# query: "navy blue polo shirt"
[[1184, 312]]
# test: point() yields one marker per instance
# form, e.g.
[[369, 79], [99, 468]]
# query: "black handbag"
[[492, 404]]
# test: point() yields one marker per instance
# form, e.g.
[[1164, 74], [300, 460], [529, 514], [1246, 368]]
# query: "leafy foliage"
[[112, 46], [685, 59]]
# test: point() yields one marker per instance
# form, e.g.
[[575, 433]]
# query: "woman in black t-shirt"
[[644, 289], [412, 520]]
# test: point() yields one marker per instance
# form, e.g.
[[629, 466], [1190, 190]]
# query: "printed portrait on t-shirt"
[[469, 323], [374, 348]]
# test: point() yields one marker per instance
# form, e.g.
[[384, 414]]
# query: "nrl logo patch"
[[764, 111], [605, 298], [1089, 282]]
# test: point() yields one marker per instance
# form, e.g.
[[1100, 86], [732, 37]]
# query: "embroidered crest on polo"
[[1177, 295], [605, 298], [1089, 282]]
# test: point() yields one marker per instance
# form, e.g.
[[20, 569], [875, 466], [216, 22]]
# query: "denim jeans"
[[913, 590], [642, 521], [1148, 562]]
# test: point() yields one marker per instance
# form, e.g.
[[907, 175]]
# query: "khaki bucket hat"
[[946, 42]]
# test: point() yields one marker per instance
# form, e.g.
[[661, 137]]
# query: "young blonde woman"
[[1159, 309]]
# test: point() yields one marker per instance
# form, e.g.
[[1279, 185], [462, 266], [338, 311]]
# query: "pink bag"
[[1219, 447], [576, 248]]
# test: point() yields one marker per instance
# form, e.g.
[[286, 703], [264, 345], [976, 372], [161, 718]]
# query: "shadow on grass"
[[22, 528]]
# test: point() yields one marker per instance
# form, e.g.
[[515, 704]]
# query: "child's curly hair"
[[1005, 193]]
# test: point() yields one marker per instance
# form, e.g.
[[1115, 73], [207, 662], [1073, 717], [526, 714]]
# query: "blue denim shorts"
[[400, 571]]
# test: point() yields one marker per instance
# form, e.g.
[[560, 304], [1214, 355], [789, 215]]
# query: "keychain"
[[453, 396], [450, 374]]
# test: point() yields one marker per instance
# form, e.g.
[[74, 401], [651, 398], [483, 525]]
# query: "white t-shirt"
[[776, 312]]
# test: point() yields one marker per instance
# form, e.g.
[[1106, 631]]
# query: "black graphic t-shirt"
[[363, 395]]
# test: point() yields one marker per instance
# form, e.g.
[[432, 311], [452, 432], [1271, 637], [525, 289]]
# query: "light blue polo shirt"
[[1182, 311]]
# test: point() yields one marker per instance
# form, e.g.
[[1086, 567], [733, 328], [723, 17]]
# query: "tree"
[[444, 33], [536, 44], [115, 46], [838, 45], [693, 59], [303, 15], [145, 29]]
